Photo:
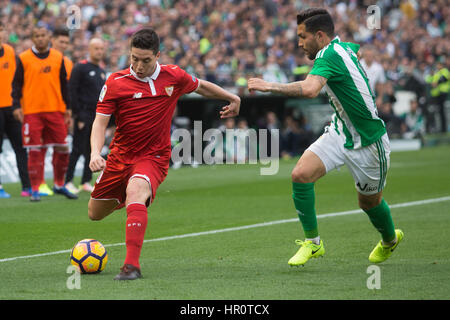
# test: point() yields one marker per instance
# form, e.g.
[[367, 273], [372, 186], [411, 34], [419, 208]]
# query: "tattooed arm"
[[309, 88]]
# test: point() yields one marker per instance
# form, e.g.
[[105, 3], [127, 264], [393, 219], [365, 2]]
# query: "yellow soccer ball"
[[89, 256]]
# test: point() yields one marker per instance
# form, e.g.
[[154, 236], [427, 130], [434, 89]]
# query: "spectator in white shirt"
[[375, 72]]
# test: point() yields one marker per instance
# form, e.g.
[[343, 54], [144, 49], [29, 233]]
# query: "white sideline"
[[257, 225]]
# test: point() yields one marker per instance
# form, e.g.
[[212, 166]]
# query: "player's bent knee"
[[93, 213], [93, 216], [138, 190], [367, 205], [97, 209], [299, 175], [367, 202], [309, 169]]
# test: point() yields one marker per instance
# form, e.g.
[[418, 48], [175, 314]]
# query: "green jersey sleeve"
[[325, 67]]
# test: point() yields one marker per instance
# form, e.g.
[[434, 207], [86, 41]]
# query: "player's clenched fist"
[[258, 85], [97, 163]]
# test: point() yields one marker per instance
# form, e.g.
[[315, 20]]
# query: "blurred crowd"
[[227, 41]]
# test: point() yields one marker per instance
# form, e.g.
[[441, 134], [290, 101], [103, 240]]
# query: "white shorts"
[[368, 165]]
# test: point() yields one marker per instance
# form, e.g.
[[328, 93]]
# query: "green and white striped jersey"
[[355, 113]]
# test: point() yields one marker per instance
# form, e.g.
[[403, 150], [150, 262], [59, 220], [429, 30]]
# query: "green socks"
[[380, 216], [304, 201]]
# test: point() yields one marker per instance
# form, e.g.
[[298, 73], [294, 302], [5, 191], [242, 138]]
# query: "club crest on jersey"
[[46, 69], [169, 90]]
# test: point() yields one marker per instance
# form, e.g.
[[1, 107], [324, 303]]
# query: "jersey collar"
[[336, 39], [147, 79]]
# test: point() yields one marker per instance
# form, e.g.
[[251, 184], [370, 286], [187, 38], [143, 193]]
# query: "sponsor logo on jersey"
[[102, 93], [137, 95], [46, 69], [366, 187]]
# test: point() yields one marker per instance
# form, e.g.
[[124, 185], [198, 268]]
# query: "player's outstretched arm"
[[211, 90], [308, 88], [99, 126]]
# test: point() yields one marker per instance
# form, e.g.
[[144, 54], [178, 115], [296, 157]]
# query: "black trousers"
[[13, 130], [440, 102], [81, 146]]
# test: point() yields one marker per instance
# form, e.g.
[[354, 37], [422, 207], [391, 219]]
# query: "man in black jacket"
[[86, 82]]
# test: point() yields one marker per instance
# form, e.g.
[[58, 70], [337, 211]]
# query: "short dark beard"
[[311, 56]]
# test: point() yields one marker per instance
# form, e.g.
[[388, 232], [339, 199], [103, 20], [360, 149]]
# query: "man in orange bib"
[[39, 102], [60, 41]]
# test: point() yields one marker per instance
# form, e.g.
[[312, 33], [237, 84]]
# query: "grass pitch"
[[232, 262]]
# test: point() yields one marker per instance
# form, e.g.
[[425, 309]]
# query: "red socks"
[[36, 162], [136, 225], [60, 162], [43, 153], [35, 168]]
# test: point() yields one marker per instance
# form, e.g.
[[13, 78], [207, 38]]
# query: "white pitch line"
[[257, 225]]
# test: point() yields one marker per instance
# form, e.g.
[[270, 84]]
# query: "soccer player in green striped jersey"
[[356, 136]]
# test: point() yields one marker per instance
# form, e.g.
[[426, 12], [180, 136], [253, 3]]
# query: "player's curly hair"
[[146, 39], [316, 19]]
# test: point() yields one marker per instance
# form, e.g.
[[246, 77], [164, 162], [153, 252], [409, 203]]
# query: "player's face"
[[40, 38], [60, 43], [307, 41], [143, 61]]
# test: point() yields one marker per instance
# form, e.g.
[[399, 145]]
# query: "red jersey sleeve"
[[107, 101], [187, 82]]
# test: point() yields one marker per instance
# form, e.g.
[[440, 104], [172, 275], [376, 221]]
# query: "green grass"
[[243, 264]]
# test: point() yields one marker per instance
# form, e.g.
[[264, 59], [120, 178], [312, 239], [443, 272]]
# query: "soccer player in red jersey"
[[142, 98]]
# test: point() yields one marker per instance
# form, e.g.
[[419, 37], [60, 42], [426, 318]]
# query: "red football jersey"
[[143, 109]]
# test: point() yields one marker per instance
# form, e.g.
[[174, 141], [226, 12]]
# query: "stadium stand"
[[229, 41]]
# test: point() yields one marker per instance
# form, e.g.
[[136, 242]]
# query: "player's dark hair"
[[316, 19], [146, 39], [61, 32]]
